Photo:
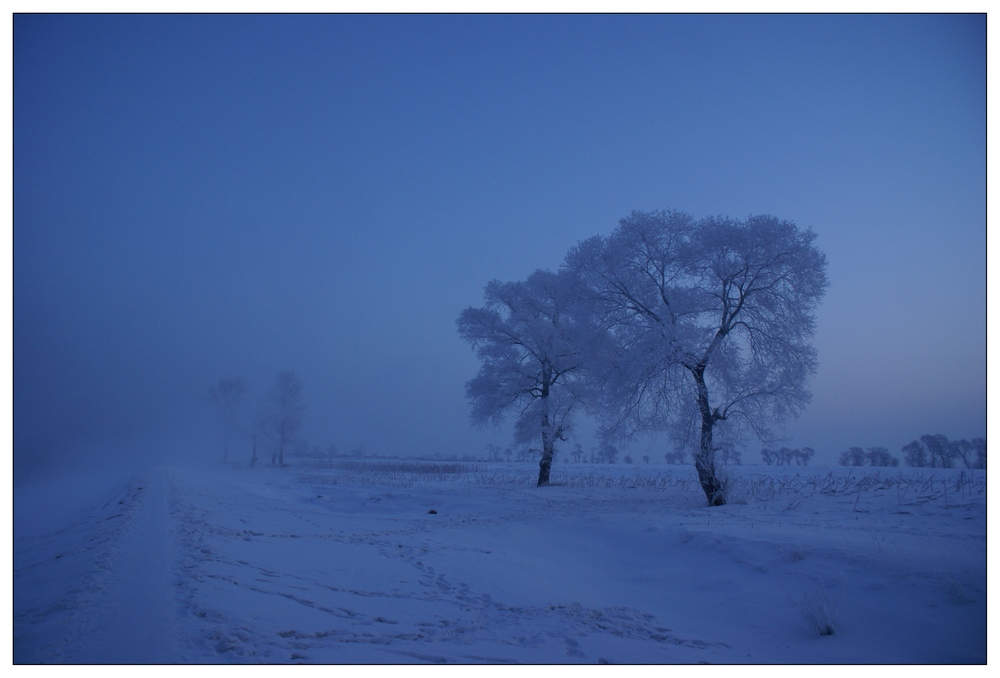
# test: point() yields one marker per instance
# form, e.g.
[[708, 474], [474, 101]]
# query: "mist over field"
[[208, 197]]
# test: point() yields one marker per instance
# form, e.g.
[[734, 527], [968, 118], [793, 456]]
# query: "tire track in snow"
[[136, 623]]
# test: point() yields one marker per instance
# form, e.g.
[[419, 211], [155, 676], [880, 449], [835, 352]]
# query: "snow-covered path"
[[138, 619], [368, 562]]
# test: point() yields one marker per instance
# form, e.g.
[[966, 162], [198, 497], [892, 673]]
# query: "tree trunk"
[[545, 465], [548, 445], [704, 460], [281, 445]]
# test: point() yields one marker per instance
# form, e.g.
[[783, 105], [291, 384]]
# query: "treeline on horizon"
[[928, 451]]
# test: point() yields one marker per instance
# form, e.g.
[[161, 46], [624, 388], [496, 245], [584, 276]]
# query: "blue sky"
[[208, 196]]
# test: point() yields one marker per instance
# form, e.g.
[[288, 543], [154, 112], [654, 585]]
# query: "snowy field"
[[368, 561]]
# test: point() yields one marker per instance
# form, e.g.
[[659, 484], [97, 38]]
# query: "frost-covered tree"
[[228, 396], [531, 349], [285, 409], [712, 321]]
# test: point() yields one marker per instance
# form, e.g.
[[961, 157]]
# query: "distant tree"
[[675, 457], [915, 454], [784, 456], [805, 455], [728, 454], [627, 458], [940, 450], [493, 452], [286, 407], [228, 396], [768, 456], [509, 454], [577, 453], [880, 456], [962, 449], [609, 453], [979, 450], [254, 458], [712, 321], [935, 451], [645, 459], [261, 432], [854, 456], [935, 446], [531, 351]]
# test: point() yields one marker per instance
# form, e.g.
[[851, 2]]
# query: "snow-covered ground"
[[368, 561]]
